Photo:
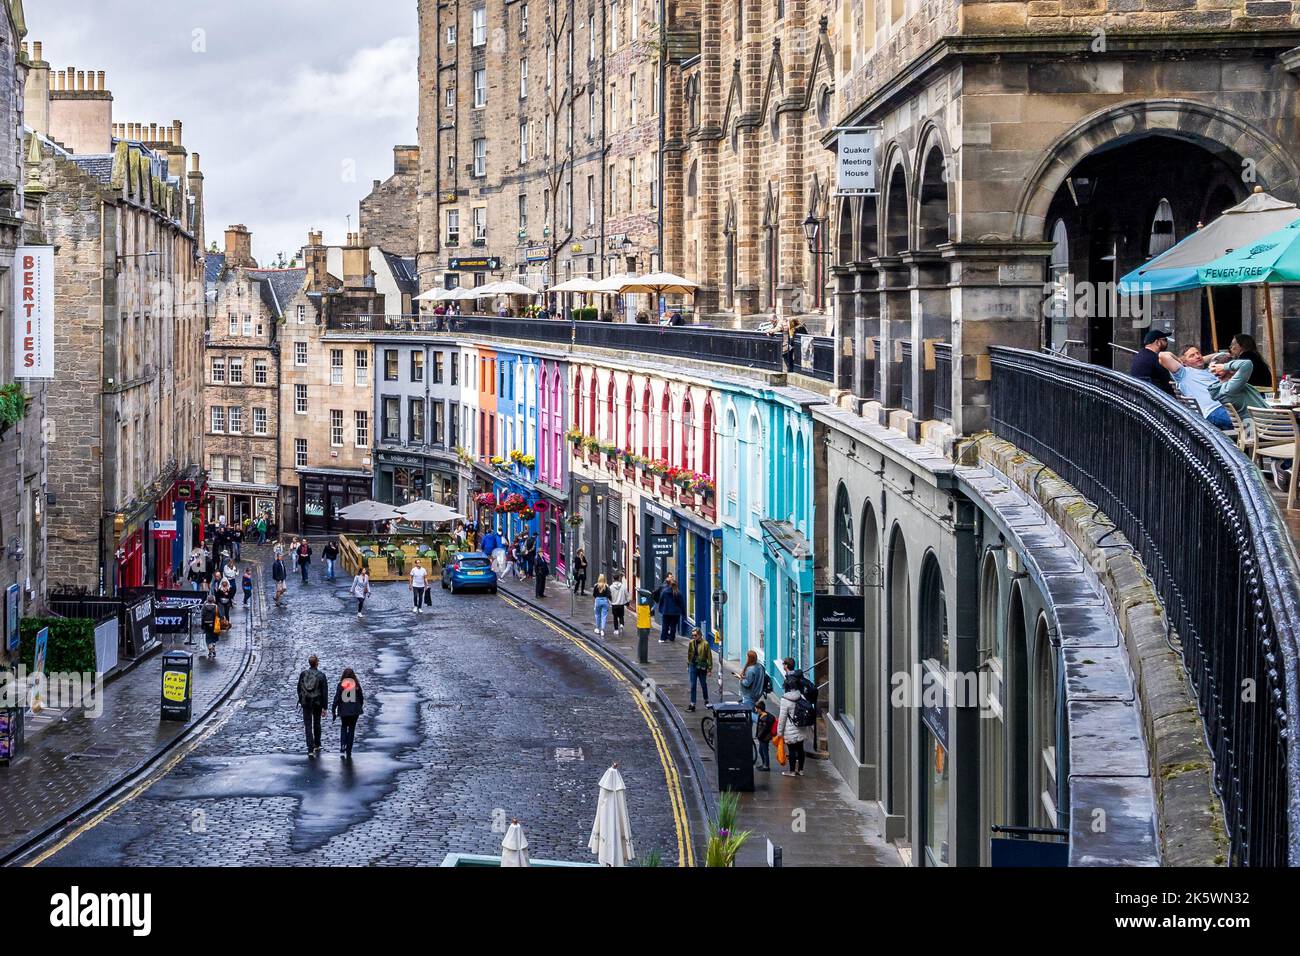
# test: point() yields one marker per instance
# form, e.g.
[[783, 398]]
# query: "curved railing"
[[1216, 548]]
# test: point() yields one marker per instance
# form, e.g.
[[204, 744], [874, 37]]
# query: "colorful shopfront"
[[683, 544]]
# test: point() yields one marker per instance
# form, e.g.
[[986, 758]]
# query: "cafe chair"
[[1241, 432], [1276, 442]]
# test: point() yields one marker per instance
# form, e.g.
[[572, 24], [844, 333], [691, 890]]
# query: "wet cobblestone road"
[[476, 712]]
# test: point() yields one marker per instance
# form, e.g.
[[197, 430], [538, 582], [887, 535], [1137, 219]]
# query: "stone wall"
[[388, 215]]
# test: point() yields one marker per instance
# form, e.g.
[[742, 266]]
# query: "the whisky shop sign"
[[480, 264]]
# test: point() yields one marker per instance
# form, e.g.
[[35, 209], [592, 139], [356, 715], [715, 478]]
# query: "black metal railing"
[[728, 346], [877, 385], [905, 374], [942, 397], [1217, 551]]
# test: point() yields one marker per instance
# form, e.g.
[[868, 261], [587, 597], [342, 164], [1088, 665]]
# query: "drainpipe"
[[663, 126]]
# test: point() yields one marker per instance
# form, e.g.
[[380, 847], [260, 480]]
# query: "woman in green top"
[[1233, 386]]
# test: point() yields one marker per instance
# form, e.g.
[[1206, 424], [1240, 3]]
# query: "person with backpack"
[[798, 715], [764, 733], [806, 686], [331, 554], [225, 598], [541, 571], [278, 575], [313, 693], [304, 559], [246, 582], [699, 662], [210, 621], [671, 609], [619, 596], [348, 703], [361, 589]]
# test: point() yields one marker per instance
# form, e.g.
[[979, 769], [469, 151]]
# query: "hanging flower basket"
[[485, 500], [541, 507]]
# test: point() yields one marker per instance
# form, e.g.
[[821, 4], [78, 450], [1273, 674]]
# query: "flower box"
[[647, 481], [668, 490], [687, 499], [708, 510], [629, 473]]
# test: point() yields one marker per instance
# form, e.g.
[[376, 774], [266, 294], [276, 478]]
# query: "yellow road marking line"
[[676, 799]]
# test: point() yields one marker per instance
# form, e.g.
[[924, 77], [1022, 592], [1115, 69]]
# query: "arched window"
[[707, 464], [731, 473], [755, 471], [1045, 758], [688, 432], [628, 410], [992, 742], [646, 403], [592, 423], [799, 514], [665, 423], [611, 430], [846, 565], [577, 401], [1059, 278], [1162, 229], [934, 614]]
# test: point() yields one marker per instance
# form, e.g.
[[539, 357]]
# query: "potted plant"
[[725, 840]]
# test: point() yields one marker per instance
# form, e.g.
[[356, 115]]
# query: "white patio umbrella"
[[461, 294], [432, 295], [369, 511], [488, 288], [613, 285], [576, 284], [433, 512], [611, 833], [514, 848], [510, 287], [659, 283]]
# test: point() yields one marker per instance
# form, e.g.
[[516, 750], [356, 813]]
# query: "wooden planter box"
[[687, 499], [629, 472], [708, 510], [648, 481]]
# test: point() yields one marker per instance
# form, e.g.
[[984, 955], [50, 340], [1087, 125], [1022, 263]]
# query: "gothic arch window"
[[1059, 277], [665, 423], [611, 416], [730, 486], [646, 404], [707, 463], [729, 267], [1044, 758], [771, 247], [993, 727], [898, 722], [693, 101], [688, 432], [629, 409], [846, 564], [592, 421], [1162, 229], [577, 401], [934, 614]]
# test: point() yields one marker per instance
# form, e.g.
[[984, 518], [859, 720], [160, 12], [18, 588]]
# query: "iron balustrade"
[[727, 346], [942, 398], [1217, 550]]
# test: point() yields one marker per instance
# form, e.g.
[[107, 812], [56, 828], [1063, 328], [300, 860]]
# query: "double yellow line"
[[676, 799]]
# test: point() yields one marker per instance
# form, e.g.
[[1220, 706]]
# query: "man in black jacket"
[[541, 570], [313, 698], [331, 554]]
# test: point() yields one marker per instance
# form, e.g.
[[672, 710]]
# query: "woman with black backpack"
[[796, 723], [348, 703]]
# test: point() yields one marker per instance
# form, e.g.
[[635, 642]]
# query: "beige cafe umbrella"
[[509, 287], [577, 284], [514, 848], [369, 511], [613, 285], [432, 295], [659, 283], [611, 833]]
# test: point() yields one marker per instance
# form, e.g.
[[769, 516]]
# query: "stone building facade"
[[538, 141], [242, 392], [124, 409], [388, 213]]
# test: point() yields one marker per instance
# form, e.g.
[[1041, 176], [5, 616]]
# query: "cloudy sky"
[[293, 105]]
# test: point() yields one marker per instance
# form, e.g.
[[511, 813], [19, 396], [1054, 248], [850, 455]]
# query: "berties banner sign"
[[34, 321], [855, 164]]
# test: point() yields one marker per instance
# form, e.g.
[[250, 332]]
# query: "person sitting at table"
[[1194, 380], [1243, 348], [1146, 362], [1233, 386]]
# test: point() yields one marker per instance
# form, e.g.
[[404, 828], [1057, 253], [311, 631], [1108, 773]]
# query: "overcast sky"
[[293, 105]]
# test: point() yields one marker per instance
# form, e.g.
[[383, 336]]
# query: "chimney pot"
[[195, 160], [81, 81], [153, 132], [37, 48], [99, 80]]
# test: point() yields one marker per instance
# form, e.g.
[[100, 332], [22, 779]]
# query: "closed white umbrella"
[[369, 511], [611, 833], [514, 848], [433, 512]]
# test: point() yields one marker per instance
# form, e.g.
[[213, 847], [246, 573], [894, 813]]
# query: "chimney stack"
[[194, 167], [239, 247], [36, 47], [99, 81], [315, 259]]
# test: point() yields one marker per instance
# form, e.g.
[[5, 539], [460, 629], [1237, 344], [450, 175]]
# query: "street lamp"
[[811, 226]]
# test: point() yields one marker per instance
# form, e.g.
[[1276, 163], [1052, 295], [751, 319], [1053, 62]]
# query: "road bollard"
[[642, 626]]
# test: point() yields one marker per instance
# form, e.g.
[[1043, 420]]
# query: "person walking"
[[231, 571], [236, 536], [304, 559], [293, 553], [601, 604], [225, 599], [671, 609], [795, 725], [580, 572], [618, 601], [208, 620], [361, 589], [348, 703], [541, 571], [512, 559], [246, 582], [331, 554], [419, 585], [278, 575], [699, 663], [765, 731], [261, 528], [313, 693], [198, 562]]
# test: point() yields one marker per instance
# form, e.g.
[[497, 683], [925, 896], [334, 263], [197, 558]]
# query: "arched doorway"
[[1016, 712], [874, 682], [896, 233], [993, 786], [845, 650], [932, 201], [1047, 794], [933, 659], [899, 668]]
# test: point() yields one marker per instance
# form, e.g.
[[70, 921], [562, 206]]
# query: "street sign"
[[855, 166], [838, 612], [662, 545], [162, 529]]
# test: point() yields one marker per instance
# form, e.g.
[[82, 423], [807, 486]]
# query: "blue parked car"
[[469, 569]]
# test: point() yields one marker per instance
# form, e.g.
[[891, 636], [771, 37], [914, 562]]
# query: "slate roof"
[[213, 263], [99, 167], [279, 286], [403, 271]]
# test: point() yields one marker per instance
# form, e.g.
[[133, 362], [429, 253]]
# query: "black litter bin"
[[734, 746], [177, 685]]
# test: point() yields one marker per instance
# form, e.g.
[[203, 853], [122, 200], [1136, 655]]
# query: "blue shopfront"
[[510, 523], [676, 542]]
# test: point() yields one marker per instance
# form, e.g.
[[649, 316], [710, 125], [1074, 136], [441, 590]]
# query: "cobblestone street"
[[475, 713]]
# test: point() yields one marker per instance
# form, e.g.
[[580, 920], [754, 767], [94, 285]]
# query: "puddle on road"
[[332, 794]]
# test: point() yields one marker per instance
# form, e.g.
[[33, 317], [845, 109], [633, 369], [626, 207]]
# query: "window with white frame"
[[480, 223], [479, 25], [523, 18], [217, 467], [234, 326], [523, 142], [234, 468], [236, 419], [259, 471], [248, 325], [361, 420], [613, 25], [336, 427], [361, 360], [236, 371], [480, 89], [631, 183], [523, 77], [259, 371], [523, 213], [218, 371], [300, 399], [336, 366], [301, 312], [453, 227], [480, 157], [451, 35], [259, 421], [613, 107], [634, 29], [591, 37], [754, 471], [731, 469], [218, 419], [300, 452], [449, 98], [632, 99], [299, 353]]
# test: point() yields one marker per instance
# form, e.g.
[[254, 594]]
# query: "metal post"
[[642, 626]]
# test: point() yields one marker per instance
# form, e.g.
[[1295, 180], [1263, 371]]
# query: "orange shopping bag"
[[780, 751]]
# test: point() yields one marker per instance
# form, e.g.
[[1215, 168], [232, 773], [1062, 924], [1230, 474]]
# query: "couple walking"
[[349, 700]]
